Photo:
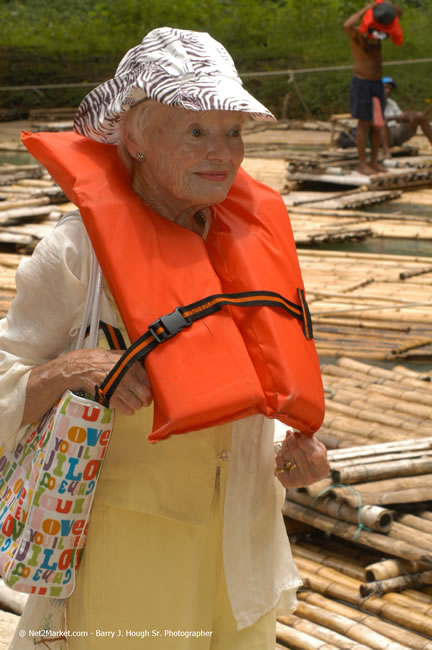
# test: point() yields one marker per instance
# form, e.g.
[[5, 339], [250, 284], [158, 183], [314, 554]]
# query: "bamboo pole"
[[345, 626], [297, 640], [390, 485], [366, 429], [331, 561], [358, 375], [378, 519], [410, 639], [391, 568], [401, 615], [31, 182], [380, 458], [318, 487], [27, 212], [308, 626], [377, 449], [422, 397], [351, 396], [414, 522], [352, 533], [410, 535], [400, 583], [368, 415], [7, 205], [412, 604], [376, 471], [334, 575]]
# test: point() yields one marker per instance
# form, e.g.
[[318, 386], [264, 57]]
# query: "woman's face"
[[191, 157]]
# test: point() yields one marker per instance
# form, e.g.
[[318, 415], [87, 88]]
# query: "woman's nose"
[[219, 149]]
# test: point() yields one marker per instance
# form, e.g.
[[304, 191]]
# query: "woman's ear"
[[130, 143]]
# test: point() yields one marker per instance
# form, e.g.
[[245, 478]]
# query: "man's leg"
[[375, 137], [422, 120], [363, 127]]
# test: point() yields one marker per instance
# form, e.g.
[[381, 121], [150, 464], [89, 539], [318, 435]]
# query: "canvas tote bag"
[[48, 483]]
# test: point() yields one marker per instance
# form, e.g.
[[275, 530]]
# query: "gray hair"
[[134, 123]]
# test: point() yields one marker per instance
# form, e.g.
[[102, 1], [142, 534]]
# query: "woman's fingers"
[[133, 392], [88, 368], [301, 461]]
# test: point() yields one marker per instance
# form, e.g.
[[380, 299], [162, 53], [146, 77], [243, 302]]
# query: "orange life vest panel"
[[230, 364]]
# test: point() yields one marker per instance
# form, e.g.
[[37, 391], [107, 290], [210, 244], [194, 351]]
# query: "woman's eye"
[[196, 132], [236, 133]]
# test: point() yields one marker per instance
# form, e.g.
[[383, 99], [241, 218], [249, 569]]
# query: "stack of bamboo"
[[30, 205], [333, 612], [372, 306], [312, 220], [378, 500], [367, 404]]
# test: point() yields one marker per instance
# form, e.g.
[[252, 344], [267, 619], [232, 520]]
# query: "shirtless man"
[[366, 90]]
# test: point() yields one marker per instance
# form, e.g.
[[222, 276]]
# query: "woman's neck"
[[194, 217]]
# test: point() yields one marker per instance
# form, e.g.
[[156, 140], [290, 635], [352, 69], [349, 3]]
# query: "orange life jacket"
[[231, 363]]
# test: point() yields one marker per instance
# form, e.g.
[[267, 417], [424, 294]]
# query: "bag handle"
[[92, 308]]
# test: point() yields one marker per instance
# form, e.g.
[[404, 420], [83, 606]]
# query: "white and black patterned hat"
[[173, 66]]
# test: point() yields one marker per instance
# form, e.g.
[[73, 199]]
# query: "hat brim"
[[101, 111]]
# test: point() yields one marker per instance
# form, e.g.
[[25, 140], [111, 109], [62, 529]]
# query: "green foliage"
[[69, 41]]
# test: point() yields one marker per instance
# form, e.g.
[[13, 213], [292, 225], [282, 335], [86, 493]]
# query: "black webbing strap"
[[112, 334], [171, 324]]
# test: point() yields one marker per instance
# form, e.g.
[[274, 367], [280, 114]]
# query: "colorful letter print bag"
[[47, 484], [47, 487]]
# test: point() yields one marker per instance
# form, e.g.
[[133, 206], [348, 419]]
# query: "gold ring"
[[287, 467]]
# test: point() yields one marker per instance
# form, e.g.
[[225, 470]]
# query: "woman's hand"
[[304, 458], [83, 370], [88, 368]]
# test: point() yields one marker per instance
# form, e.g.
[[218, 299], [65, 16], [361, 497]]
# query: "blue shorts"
[[362, 92]]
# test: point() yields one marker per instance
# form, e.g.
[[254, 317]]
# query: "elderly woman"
[[186, 547]]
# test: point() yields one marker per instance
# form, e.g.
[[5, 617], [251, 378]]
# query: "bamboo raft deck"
[[339, 167], [369, 306]]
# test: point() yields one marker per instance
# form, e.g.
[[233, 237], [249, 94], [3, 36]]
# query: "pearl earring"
[[140, 156]]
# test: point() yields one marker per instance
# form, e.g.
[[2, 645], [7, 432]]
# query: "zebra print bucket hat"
[[173, 66]]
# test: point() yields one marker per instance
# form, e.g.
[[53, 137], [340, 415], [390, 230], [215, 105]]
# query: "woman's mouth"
[[215, 176]]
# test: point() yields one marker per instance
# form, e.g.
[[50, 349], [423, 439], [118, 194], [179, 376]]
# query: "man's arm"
[[351, 22], [398, 10]]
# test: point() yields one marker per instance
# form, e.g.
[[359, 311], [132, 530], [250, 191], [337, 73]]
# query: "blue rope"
[[360, 525]]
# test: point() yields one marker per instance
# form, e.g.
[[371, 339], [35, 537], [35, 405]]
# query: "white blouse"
[[39, 328]]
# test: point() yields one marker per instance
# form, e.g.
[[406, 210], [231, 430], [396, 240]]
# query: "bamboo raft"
[[396, 178], [366, 562], [405, 169], [372, 307]]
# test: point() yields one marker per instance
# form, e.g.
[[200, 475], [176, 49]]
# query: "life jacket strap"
[[171, 324]]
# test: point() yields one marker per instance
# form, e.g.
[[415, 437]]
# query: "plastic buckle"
[[172, 324]]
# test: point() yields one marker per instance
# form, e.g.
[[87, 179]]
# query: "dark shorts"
[[362, 92]]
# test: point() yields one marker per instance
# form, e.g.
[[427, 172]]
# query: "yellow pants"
[[157, 581], [184, 591]]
